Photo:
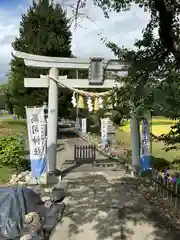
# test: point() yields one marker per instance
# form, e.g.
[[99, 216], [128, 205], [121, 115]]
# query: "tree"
[[164, 16], [44, 30], [138, 88], [153, 79], [148, 61], [2, 96], [169, 93]]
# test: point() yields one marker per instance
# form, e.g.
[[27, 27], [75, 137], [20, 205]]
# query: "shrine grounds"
[[160, 125]]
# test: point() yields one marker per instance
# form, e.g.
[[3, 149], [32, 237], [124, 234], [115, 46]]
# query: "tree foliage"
[[168, 94], [44, 30], [153, 78], [153, 81], [136, 91], [164, 16]]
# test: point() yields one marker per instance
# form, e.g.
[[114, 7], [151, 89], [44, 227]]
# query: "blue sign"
[[145, 154]]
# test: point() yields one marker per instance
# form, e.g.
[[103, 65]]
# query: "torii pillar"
[[52, 120], [135, 143]]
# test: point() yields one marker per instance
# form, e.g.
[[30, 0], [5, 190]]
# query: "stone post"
[[135, 143]]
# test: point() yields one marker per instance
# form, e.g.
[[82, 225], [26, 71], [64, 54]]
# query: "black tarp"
[[16, 202]]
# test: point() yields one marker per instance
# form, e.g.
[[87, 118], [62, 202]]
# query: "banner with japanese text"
[[37, 141], [104, 130], [84, 126], [145, 144]]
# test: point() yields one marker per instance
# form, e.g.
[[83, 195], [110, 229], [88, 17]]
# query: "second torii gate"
[[96, 67]]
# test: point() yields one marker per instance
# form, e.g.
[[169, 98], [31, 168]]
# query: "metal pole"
[[77, 109], [150, 134], [45, 123], [135, 143], [52, 121], [77, 118]]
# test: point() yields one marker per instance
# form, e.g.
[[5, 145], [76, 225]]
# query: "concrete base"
[[49, 179]]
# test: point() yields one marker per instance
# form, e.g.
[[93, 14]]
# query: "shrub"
[[12, 152]]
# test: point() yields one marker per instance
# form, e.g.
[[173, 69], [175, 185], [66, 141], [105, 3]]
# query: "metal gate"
[[84, 153]]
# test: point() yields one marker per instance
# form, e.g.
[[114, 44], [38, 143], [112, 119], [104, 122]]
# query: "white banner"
[[145, 140], [37, 141], [104, 129], [84, 126]]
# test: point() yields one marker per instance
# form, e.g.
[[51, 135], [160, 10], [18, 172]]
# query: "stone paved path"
[[65, 150], [98, 209]]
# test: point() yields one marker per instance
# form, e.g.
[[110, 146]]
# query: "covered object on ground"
[[15, 203]]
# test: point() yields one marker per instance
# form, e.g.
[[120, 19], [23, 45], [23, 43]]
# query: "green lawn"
[[160, 125], [8, 126]]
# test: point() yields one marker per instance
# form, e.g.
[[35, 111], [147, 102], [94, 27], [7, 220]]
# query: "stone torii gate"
[[96, 67]]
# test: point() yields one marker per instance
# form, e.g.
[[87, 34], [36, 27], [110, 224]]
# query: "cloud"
[[8, 33], [122, 28], [9, 23]]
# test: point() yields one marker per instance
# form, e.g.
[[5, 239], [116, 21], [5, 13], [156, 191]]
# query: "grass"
[[160, 126], [5, 174], [9, 126]]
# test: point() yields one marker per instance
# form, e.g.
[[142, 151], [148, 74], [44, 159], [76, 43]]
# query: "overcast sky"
[[123, 29]]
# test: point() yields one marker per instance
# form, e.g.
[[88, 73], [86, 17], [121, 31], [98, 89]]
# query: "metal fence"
[[85, 153], [167, 187]]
